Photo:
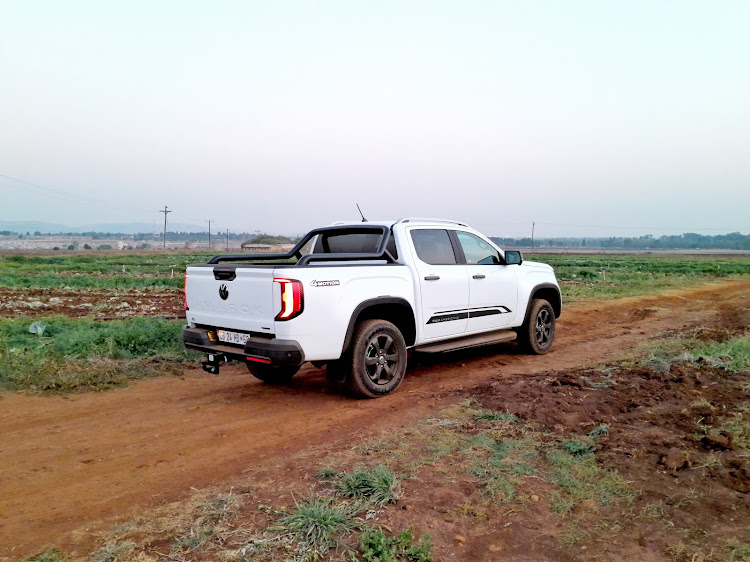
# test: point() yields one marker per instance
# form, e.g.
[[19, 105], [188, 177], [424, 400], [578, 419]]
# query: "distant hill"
[[22, 227]]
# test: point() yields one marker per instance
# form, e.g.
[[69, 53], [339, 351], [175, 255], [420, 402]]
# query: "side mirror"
[[513, 257]]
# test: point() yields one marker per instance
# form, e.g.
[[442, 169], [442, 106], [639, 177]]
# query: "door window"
[[476, 250], [433, 246]]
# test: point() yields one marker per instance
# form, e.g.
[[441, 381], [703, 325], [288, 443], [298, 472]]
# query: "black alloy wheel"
[[537, 334], [381, 359], [543, 328], [376, 359]]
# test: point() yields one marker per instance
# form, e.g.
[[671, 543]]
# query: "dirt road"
[[70, 463]]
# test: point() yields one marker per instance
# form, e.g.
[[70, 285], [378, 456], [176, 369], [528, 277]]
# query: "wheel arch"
[[396, 310], [549, 292]]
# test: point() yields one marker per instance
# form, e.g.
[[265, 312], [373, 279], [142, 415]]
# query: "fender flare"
[[378, 301], [533, 291]]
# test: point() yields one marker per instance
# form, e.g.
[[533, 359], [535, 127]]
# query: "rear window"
[[352, 243]]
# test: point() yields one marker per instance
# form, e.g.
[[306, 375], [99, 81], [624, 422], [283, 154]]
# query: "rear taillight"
[[185, 291], [292, 298]]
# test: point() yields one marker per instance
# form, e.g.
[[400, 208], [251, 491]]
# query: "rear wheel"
[[272, 375], [538, 332], [378, 359]]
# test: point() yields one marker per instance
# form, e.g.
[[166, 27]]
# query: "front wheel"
[[378, 359], [272, 375], [538, 332]]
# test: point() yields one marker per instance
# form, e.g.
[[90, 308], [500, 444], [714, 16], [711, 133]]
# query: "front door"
[[443, 283], [492, 287]]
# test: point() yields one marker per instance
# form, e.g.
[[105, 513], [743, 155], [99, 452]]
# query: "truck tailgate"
[[232, 297]]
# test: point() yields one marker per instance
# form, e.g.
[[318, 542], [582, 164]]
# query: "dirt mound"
[[673, 435]]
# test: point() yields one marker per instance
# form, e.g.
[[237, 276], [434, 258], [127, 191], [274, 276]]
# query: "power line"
[[62, 194], [68, 195]]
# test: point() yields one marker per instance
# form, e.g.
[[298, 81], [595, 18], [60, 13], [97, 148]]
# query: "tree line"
[[687, 241]]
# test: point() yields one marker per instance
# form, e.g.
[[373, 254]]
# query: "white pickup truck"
[[357, 296]]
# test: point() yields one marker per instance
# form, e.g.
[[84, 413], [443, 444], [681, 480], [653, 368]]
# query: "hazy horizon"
[[587, 118]]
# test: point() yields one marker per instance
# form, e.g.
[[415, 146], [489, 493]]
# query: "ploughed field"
[[94, 285], [630, 440]]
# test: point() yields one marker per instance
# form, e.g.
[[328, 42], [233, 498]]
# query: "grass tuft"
[[732, 355], [49, 555], [379, 486], [114, 552], [327, 473], [738, 552], [497, 416], [318, 524], [376, 546]]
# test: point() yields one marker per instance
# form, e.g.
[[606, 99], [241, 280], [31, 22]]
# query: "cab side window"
[[433, 246], [476, 250]]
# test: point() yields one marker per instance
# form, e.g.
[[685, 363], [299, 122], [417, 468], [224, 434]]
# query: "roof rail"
[[412, 219]]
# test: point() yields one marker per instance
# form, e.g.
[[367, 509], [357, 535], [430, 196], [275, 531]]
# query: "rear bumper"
[[275, 352]]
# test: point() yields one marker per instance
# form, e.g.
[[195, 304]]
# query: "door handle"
[[432, 278], [478, 276]]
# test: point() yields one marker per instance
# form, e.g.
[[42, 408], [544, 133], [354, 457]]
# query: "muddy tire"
[[272, 375], [538, 332], [377, 359]]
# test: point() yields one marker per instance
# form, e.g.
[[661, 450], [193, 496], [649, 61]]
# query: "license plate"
[[232, 337]]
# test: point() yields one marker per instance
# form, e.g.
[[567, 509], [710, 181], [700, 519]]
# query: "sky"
[[588, 118]]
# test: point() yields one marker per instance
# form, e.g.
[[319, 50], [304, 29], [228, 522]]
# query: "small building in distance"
[[255, 248]]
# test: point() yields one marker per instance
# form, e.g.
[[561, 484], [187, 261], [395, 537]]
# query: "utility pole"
[[532, 234], [165, 225], [227, 239], [209, 221]]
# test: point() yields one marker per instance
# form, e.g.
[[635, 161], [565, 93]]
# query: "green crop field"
[[581, 276], [96, 271], [75, 354], [585, 277]]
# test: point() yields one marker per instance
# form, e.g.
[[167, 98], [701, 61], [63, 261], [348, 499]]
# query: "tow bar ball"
[[212, 363]]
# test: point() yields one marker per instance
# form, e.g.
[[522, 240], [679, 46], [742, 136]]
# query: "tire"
[[537, 334], [272, 375], [377, 359]]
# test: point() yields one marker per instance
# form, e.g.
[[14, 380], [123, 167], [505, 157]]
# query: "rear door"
[[231, 296], [443, 283], [493, 287]]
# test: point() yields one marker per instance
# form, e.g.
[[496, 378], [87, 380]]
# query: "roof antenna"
[[360, 213]]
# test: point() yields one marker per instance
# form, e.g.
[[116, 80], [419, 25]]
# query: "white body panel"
[[333, 292], [249, 305], [321, 328]]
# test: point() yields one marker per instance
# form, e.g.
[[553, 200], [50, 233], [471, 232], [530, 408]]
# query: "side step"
[[487, 338]]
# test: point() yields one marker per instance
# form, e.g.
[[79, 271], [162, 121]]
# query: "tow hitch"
[[212, 363]]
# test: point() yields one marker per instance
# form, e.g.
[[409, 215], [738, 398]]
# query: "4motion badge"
[[332, 283]]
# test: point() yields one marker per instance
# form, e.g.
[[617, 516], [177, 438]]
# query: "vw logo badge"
[[223, 291]]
